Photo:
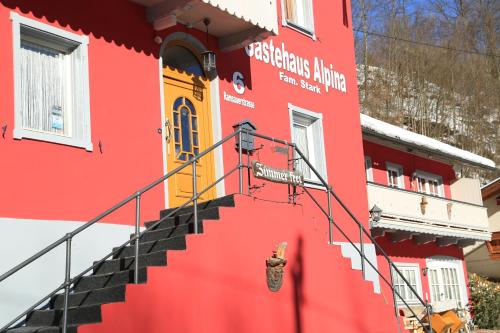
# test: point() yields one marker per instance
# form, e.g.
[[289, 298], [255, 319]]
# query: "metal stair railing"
[[363, 231], [135, 240]]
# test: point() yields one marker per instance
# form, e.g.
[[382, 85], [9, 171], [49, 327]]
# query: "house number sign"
[[263, 171]]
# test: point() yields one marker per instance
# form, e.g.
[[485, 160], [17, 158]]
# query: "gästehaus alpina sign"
[[263, 171]]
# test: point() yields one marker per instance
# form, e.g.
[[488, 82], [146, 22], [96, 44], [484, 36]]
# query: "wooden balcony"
[[424, 218]]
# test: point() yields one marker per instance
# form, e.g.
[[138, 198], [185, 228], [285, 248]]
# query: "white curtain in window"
[[305, 17], [42, 88], [300, 139], [300, 13], [319, 143]]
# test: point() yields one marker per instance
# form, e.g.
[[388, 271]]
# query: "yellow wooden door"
[[188, 126]]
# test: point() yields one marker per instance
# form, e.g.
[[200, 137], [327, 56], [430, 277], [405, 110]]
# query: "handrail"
[[113, 209], [196, 195], [137, 195], [363, 230]]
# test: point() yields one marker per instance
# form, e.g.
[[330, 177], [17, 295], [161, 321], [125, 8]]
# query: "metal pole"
[[195, 199], [362, 252], [428, 308], [392, 288], [137, 231], [67, 279], [330, 218], [248, 173], [240, 161], [394, 302]]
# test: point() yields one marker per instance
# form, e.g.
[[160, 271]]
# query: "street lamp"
[[375, 213]]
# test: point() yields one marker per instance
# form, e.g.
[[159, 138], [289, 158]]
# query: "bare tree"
[[433, 67]]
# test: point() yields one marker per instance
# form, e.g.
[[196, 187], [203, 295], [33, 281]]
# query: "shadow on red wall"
[[297, 279]]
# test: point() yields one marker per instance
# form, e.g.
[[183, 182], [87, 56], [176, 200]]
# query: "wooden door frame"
[[214, 109]]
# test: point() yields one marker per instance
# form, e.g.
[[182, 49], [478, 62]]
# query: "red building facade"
[[429, 213], [99, 99]]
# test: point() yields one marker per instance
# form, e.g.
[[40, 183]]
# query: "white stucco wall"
[[23, 238], [493, 213]]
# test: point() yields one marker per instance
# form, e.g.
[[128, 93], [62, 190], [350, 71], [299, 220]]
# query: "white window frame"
[[19, 132], [317, 154], [368, 168], [439, 262], [294, 26], [429, 176], [399, 170], [418, 280]]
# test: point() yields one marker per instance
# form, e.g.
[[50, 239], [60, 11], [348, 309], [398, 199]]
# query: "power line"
[[424, 43]]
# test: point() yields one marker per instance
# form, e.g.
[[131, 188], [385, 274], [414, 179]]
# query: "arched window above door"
[[185, 129], [183, 59]]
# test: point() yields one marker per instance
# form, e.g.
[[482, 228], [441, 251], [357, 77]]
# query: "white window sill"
[[299, 29], [47, 137]]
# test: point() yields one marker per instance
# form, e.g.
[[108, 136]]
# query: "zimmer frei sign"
[[265, 172], [322, 74]]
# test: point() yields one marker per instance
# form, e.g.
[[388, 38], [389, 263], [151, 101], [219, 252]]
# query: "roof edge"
[[421, 142]]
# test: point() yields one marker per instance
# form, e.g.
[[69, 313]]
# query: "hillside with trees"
[[432, 67]]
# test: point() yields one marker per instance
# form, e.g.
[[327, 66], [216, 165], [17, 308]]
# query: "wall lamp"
[[208, 56], [375, 213], [425, 270]]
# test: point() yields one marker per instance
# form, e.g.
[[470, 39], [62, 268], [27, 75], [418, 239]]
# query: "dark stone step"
[[122, 264], [180, 230], [91, 297], [204, 214], [176, 243], [98, 281], [76, 316], [43, 329], [227, 201]]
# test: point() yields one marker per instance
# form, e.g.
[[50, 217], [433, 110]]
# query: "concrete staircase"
[[107, 283]]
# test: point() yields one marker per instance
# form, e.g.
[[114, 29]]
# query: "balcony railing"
[[427, 217], [235, 23]]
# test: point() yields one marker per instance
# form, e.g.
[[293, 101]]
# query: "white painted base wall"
[[348, 251], [22, 238]]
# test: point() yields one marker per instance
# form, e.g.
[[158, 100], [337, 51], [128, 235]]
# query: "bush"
[[484, 302]]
